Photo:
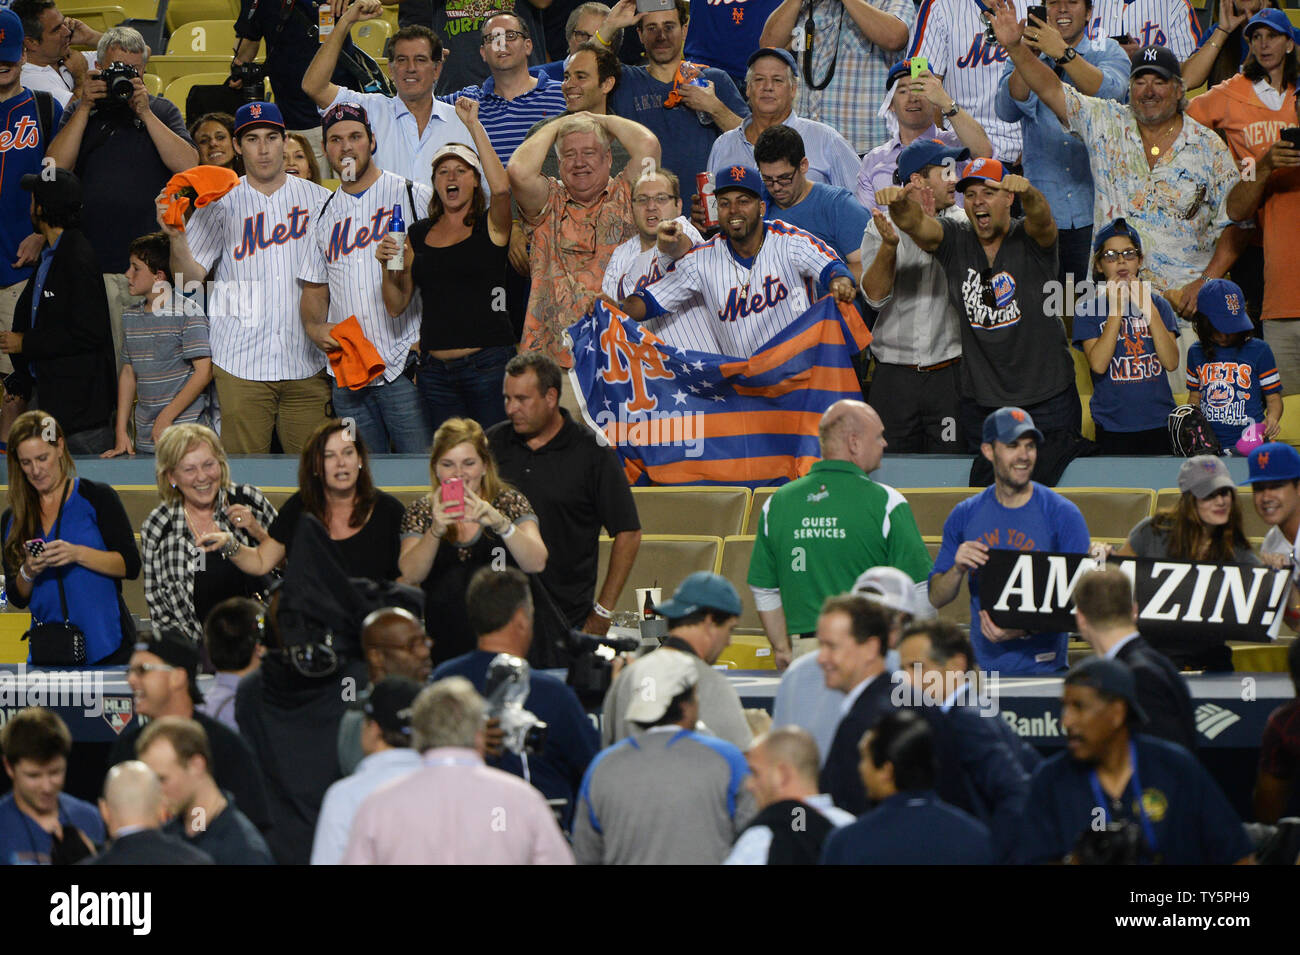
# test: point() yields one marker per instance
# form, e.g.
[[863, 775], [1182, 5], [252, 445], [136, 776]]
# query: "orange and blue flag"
[[684, 417]]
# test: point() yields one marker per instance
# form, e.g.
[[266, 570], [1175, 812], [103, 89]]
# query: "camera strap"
[[1135, 783], [809, 41]]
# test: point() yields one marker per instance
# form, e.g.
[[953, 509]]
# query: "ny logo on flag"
[[633, 361]]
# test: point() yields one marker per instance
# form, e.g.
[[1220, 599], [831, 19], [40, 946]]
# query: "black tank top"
[[462, 288]]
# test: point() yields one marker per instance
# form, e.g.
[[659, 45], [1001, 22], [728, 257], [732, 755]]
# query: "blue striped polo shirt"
[[508, 121]]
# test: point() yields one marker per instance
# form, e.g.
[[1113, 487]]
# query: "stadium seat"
[[172, 68], [1290, 433], [958, 609], [133, 590], [1111, 512], [1082, 375], [747, 652], [140, 9], [713, 511], [180, 12], [662, 561], [757, 499], [408, 495], [178, 90], [1251, 523], [331, 184], [1294, 14], [97, 18], [153, 83], [932, 505], [390, 16], [371, 36], [278, 495], [138, 500], [735, 567], [203, 38]]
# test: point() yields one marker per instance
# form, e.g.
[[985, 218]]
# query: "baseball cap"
[[738, 177], [660, 677], [980, 169], [1224, 304], [1112, 229], [1274, 461], [701, 590], [389, 703], [1202, 475], [1156, 59], [1110, 677], [252, 115], [60, 193], [342, 113], [900, 69], [1269, 17], [889, 587], [175, 649], [461, 152], [1008, 425], [927, 152], [11, 36], [784, 56]]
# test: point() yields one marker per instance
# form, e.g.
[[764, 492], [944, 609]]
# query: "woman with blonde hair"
[[67, 542], [444, 543], [185, 574]]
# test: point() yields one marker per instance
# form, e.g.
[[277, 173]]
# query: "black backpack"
[[1190, 434]]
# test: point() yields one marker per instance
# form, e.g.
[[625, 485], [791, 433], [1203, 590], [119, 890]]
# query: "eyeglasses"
[[662, 199], [510, 36], [1114, 255], [582, 36], [783, 180], [140, 669]]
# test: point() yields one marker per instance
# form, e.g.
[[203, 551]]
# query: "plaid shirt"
[[171, 557], [851, 100]]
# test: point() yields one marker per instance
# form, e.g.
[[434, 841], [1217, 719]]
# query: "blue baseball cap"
[[252, 115], [1274, 461], [927, 152], [785, 56], [1111, 230], [700, 591], [11, 36], [1009, 425], [1224, 304], [899, 69], [738, 177], [1272, 18]]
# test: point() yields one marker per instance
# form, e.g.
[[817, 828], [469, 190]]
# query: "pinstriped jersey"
[[1170, 23], [257, 243]]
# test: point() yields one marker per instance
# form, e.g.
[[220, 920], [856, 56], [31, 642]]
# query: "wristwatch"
[[1069, 54], [953, 111]]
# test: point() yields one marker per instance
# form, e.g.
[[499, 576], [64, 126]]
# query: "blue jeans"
[[386, 413], [468, 387]]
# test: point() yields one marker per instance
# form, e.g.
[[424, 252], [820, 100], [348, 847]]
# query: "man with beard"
[[642, 259], [1110, 772], [1014, 512], [341, 280], [753, 276]]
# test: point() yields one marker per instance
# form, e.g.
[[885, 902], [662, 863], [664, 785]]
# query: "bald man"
[[133, 810], [818, 533], [394, 643], [794, 817]]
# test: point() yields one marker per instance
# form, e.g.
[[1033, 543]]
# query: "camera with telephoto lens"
[[118, 77], [508, 685], [1120, 843], [252, 81]]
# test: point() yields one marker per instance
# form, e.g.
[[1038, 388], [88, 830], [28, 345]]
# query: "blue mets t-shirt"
[[1048, 522], [1233, 385], [724, 33], [23, 842], [21, 151], [1134, 393]]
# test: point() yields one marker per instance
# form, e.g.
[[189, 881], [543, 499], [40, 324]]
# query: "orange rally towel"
[[687, 72], [199, 186], [357, 363]]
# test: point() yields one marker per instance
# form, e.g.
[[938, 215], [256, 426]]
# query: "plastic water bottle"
[[397, 229]]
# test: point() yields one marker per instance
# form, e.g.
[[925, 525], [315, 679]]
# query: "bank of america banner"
[[1034, 591], [685, 417]]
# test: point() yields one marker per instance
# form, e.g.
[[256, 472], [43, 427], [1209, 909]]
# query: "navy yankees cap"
[[738, 177], [1111, 230], [252, 115], [927, 152], [1156, 59]]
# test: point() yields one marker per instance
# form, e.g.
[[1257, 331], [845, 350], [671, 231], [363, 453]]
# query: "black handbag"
[[57, 644]]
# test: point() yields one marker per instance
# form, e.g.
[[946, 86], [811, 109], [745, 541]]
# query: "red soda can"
[[704, 188]]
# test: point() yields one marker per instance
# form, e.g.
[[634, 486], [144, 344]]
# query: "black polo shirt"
[[576, 487]]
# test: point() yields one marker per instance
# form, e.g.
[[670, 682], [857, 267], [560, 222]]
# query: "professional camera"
[[592, 671], [118, 76], [252, 80], [507, 688], [1120, 843]]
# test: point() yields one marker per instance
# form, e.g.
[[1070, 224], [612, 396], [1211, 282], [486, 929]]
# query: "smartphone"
[[35, 547], [1292, 135], [453, 496], [653, 6], [1038, 11], [919, 65]]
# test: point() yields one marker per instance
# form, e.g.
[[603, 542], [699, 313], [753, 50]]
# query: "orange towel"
[[199, 186], [356, 363], [686, 73]]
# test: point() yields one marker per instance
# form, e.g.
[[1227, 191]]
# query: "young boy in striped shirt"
[[166, 361]]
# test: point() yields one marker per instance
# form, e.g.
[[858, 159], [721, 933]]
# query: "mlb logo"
[[118, 712]]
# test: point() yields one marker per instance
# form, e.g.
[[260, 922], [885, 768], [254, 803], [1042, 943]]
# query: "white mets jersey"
[[257, 243], [630, 269], [343, 238], [1170, 23]]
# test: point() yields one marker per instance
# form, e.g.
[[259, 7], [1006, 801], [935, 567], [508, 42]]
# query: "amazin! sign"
[[1034, 591]]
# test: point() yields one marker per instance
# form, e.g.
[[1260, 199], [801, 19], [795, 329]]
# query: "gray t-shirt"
[[1013, 353], [1146, 541], [161, 347]]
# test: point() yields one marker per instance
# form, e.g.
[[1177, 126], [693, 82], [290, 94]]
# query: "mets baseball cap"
[[1203, 475], [785, 56], [980, 170], [1156, 59], [1008, 425], [927, 152], [701, 590], [252, 115], [342, 113], [1272, 18], [11, 36], [660, 676], [738, 177], [389, 703], [1274, 461], [1111, 230], [1224, 304], [1110, 677], [61, 193], [889, 587]]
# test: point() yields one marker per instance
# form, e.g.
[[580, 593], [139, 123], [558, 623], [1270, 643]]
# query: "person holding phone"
[[1224, 46], [67, 542], [470, 519]]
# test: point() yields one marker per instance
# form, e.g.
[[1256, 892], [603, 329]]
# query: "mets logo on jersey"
[[739, 305], [1218, 395], [24, 135]]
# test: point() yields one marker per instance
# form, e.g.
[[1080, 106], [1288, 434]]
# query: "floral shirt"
[[419, 518]]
